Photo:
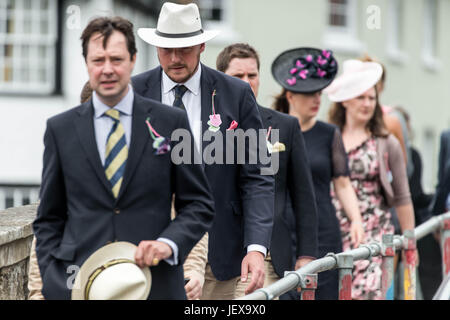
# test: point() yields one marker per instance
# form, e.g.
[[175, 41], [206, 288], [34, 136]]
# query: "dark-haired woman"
[[303, 73], [377, 167]]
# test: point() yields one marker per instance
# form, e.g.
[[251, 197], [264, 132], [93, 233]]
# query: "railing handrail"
[[295, 278], [443, 292]]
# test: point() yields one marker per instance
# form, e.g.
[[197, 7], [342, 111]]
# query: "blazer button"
[[116, 210]]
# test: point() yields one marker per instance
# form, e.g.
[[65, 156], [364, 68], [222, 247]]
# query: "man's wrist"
[[258, 248]]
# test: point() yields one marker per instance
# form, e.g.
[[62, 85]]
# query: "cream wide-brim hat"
[[357, 77], [178, 26], [111, 273]]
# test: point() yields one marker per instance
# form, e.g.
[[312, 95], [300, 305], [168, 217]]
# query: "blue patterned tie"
[[180, 90], [116, 152]]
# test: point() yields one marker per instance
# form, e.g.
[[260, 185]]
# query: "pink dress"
[[364, 175]]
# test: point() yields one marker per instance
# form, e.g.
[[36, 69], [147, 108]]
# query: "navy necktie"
[[180, 90]]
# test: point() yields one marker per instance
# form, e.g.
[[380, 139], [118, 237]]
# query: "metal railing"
[[306, 277]]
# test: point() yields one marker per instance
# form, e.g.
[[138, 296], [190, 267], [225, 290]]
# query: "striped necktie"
[[180, 90], [116, 152]]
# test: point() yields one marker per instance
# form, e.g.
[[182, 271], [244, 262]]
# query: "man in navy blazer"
[[80, 211], [441, 200], [242, 227], [295, 205]]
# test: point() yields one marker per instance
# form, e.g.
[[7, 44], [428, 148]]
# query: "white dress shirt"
[[191, 100], [103, 125], [193, 104]]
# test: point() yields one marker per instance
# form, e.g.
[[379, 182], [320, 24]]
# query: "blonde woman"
[[377, 167]]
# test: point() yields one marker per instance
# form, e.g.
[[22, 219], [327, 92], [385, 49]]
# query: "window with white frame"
[[146, 57], [216, 15], [429, 51], [338, 16], [28, 37], [395, 35], [211, 10], [341, 33], [16, 196]]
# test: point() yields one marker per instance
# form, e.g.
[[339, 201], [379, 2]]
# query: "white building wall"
[[23, 120]]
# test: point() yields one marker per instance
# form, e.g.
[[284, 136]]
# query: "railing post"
[[387, 267], [445, 247], [309, 287], [345, 266], [409, 283]]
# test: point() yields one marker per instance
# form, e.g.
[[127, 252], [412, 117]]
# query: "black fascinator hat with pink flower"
[[304, 70]]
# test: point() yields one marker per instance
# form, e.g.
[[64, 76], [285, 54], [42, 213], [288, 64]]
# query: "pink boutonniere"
[[160, 144], [233, 125], [214, 119]]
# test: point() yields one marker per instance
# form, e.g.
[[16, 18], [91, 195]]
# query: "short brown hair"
[[105, 26], [336, 115], [237, 50]]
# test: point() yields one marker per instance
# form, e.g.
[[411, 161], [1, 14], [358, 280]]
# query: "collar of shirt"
[[193, 84], [125, 106]]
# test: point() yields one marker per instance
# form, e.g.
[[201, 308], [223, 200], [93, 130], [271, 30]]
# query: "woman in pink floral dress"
[[377, 168]]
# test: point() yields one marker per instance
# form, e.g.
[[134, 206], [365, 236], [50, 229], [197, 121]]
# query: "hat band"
[[179, 35], [99, 270]]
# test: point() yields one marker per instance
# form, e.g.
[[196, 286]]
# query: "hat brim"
[[149, 35], [347, 87], [115, 250], [284, 62]]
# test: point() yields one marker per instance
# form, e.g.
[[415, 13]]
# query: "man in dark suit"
[[240, 235], [104, 178], [293, 182]]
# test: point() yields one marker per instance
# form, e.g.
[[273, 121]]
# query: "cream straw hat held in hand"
[[357, 77], [111, 273], [178, 26]]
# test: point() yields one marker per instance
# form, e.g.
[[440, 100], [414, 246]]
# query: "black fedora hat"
[[304, 70]]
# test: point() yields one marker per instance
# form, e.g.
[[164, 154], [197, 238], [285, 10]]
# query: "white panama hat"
[[178, 26], [357, 77], [111, 273]]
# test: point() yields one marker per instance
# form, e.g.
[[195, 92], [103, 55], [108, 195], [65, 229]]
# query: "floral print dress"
[[364, 175]]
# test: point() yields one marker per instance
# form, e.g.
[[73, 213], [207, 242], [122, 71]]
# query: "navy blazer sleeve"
[[194, 204], [302, 196], [52, 211], [257, 190]]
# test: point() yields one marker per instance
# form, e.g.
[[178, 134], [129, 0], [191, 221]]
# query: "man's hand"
[[150, 253], [302, 262], [194, 287], [254, 263]]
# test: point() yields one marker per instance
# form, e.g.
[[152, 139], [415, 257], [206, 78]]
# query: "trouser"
[[214, 289]]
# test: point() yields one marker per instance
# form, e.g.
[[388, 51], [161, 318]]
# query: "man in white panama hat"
[[241, 231]]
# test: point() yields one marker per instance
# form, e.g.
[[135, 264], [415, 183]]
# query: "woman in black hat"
[[303, 73]]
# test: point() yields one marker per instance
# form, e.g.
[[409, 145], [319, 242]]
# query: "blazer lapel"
[[84, 125], [207, 85], [153, 90], [266, 118], [139, 138]]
